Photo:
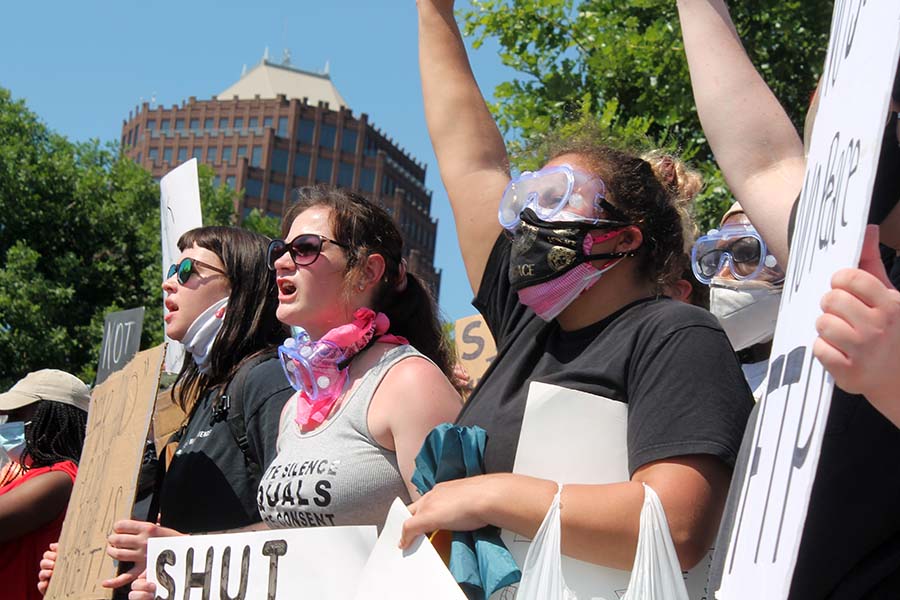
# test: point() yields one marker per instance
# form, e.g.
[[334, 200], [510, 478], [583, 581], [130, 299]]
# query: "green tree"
[[77, 240], [623, 64], [79, 237]]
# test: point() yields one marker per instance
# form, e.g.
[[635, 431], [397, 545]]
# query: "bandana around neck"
[[318, 369], [199, 338]]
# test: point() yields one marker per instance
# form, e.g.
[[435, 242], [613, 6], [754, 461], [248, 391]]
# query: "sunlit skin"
[[185, 302]]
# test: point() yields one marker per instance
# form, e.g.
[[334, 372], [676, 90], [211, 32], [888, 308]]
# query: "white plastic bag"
[[542, 577], [656, 574]]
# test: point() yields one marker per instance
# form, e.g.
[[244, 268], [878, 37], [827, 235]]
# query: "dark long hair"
[[367, 229], [55, 434], [250, 325]]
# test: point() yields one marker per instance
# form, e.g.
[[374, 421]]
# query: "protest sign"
[[475, 346], [121, 341], [118, 420], [395, 574], [179, 211], [167, 418], [585, 443], [316, 562], [831, 217]]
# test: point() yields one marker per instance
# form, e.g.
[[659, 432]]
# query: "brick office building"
[[278, 128]]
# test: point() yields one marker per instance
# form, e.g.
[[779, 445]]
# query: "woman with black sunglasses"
[[221, 304], [371, 368]]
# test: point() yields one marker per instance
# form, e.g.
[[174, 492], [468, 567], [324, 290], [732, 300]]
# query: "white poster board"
[[570, 436], [179, 211], [843, 158], [279, 564], [411, 574]]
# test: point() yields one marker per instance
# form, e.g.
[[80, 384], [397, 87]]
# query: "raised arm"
[[754, 142], [470, 150]]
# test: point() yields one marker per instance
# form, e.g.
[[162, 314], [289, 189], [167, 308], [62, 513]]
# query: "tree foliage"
[[623, 63], [79, 237]]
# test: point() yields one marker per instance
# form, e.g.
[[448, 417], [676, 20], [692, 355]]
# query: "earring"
[[361, 287]]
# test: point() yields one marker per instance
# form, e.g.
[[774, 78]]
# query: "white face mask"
[[747, 310], [199, 338], [12, 439]]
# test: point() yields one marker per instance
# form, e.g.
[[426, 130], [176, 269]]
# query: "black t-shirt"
[[207, 486], [670, 362]]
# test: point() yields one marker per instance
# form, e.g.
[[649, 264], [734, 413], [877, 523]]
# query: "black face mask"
[[544, 250]]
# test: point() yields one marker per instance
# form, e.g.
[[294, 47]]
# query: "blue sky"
[[82, 66]]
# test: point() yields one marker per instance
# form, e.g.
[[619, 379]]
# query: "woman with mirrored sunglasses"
[[220, 301], [369, 364], [573, 296]]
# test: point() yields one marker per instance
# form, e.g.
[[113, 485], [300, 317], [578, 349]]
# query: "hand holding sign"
[[128, 543], [859, 332]]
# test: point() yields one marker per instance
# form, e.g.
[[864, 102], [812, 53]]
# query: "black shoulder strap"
[[230, 406]]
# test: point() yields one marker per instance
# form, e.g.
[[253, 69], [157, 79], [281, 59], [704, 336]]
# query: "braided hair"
[[55, 434]]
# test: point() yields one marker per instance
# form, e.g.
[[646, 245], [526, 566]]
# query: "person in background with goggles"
[[745, 283], [221, 305], [570, 280], [850, 546]]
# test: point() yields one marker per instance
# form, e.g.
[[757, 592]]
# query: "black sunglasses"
[[187, 267], [304, 249]]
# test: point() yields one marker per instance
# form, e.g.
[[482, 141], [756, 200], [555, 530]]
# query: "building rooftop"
[[268, 79]]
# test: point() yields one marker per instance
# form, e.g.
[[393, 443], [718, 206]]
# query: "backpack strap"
[[230, 407]]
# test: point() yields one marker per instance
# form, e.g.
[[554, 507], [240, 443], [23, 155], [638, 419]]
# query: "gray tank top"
[[336, 474]]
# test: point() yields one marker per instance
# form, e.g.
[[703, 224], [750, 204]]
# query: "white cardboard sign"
[[279, 564], [570, 436], [179, 211], [843, 159], [411, 574]]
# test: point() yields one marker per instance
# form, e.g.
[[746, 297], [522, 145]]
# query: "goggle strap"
[[343, 364], [603, 255]]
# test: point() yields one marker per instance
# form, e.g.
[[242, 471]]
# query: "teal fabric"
[[479, 560]]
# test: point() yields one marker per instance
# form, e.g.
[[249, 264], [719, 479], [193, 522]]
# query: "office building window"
[[226, 155], [216, 181], [229, 181], [282, 127], [323, 170], [137, 130], [223, 123], [267, 121], [327, 135], [212, 155], [367, 180], [305, 131], [371, 146], [182, 155], [238, 123], [279, 160], [179, 124], [301, 165], [254, 188], [345, 175], [256, 156], [195, 125], [153, 155], [276, 192], [167, 155], [388, 185], [242, 151], [209, 124], [348, 141], [164, 125], [151, 125], [197, 153], [139, 156]]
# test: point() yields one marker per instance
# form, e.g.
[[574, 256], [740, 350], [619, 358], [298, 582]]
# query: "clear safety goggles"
[[737, 246], [558, 193], [311, 367]]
